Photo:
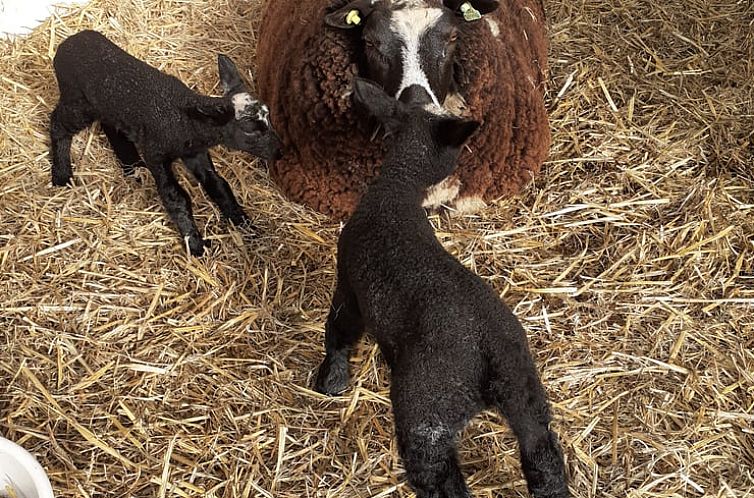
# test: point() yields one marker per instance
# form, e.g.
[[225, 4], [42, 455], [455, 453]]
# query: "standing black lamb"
[[453, 348], [143, 110]]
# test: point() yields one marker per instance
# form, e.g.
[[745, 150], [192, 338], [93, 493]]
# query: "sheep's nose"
[[415, 94]]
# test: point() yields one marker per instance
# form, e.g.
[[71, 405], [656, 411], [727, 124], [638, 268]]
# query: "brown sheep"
[[306, 68]]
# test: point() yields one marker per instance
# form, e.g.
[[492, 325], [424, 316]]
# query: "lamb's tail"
[[515, 389]]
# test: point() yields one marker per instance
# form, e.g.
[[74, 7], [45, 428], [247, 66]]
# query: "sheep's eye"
[[453, 37], [374, 52], [373, 45]]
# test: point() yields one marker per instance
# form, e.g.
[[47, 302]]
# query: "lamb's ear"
[[217, 111], [377, 103], [229, 75], [453, 132], [351, 15], [482, 6]]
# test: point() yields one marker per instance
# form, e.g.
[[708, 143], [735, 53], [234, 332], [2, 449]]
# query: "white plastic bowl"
[[20, 473]]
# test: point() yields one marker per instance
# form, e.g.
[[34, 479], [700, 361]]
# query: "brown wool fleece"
[[305, 71]]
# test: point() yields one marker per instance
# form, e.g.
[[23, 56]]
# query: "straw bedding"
[[132, 370]]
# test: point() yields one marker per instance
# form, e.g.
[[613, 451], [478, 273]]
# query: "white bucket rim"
[[32, 466]]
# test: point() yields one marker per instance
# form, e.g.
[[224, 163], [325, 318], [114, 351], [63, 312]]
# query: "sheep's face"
[[408, 42], [249, 129], [424, 140]]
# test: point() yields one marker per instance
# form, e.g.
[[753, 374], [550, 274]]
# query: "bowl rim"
[[36, 471]]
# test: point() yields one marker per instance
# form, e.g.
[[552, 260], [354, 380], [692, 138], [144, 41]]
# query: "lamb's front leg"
[[178, 205], [65, 121], [216, 187], [343, 329]]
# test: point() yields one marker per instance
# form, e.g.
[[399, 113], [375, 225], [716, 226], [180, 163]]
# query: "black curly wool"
[[453, 348], [151, 119]]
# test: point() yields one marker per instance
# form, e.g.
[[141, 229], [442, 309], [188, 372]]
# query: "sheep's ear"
[[482, 6], [229, 75], [377, 103], [217, 111], [351, 15], [453, 132]]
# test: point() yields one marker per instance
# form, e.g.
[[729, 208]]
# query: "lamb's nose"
[[415, 94]]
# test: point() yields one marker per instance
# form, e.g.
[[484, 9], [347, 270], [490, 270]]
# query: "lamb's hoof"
[[242, 221], [557, 494], [196, 245], [556, 488], [245, 226], [132, 176], [332, 377], [62, 179]]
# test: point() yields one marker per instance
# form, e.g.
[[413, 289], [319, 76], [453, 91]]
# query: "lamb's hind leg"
[[178, 205], [431, 463], [521, 398], [426, 434], [124, 150], [216, 187], [343, 329], [65, 121]]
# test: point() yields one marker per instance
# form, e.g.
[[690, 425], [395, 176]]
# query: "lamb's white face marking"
[[410, 24], [246, 107], [241, 101], [263, 114]]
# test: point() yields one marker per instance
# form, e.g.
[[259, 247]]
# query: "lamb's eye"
[[453, 37], [253, 126]]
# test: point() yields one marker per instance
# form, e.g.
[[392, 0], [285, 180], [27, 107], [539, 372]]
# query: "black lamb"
[[453, 348], [151, 119]]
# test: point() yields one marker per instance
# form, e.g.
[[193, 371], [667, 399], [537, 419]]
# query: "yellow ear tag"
[[469, 12], [353, 17]]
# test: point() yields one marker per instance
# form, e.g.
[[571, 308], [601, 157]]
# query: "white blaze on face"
[[264, 114], [245, 106], [410, 24], [241, 102]]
